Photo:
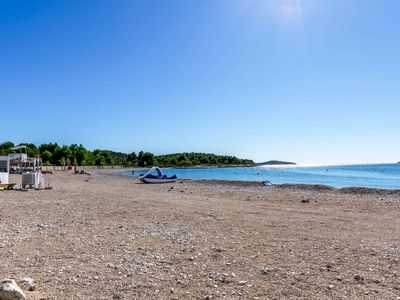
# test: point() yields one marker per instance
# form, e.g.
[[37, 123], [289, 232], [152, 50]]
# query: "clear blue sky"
[[307, 81]]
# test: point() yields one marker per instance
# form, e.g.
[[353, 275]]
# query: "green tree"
[[5, 147], [31, 149], [174, 161], [140, 159], [46, 156], [132, 158], [146, 159], [77, 153], [63, 162], [204, 160]]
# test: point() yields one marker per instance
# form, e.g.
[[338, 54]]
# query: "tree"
[[204, 160], [132, 158], [89, 159], [6, 146], [46, 156], [31, 149], [77, 153], [63, 155], [63, 162], [83, 164], [61, 152], [182, 158], [109, 161], [146, 159], [99, 161], [140, 159]]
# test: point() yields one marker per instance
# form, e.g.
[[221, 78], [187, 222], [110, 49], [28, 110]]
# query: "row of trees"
[[197, 159], [78, 155], [54, 154]]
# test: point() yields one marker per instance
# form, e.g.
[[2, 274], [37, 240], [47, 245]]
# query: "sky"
[[315, 82]]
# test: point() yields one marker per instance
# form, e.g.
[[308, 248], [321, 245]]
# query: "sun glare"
[[287, 13], [291, 12]]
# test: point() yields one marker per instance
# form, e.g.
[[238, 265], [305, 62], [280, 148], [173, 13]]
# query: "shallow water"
[[385, 176]]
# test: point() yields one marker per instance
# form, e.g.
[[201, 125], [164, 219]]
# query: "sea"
[[384, 176]]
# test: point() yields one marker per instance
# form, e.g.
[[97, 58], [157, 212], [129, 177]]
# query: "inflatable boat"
[[158, 177]]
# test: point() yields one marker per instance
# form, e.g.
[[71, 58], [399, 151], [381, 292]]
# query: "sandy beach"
[[106, 236]]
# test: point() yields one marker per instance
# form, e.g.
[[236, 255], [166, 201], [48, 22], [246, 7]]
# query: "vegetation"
[[78, 155], [275, 162], [200, 159]]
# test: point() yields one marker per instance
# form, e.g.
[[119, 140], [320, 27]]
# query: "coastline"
[[300, 186], [288, 165]]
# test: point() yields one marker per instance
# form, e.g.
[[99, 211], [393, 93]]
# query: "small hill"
[[275, 162]]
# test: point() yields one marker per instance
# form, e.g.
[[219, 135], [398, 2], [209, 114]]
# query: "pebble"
[[219, 249], [265, 270], [25, 283], [9, 290], [359, 278]]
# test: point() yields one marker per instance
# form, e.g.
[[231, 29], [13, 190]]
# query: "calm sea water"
[[385, 176]]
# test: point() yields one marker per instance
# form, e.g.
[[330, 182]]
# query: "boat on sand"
[[155, 175]]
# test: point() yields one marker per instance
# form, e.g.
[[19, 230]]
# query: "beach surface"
[[107, 236]]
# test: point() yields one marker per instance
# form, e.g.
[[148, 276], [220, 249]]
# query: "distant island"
[[275, 162]]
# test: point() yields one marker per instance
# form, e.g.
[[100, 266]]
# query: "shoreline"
[[299, 186], [288, 165]]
